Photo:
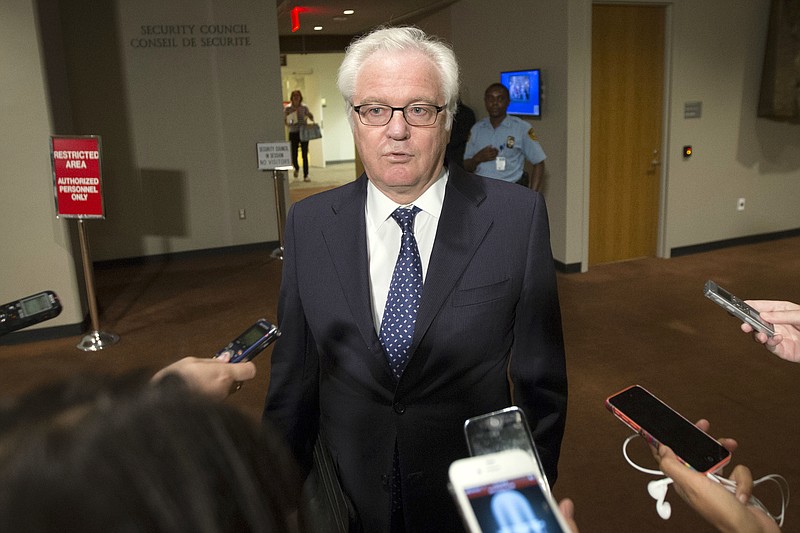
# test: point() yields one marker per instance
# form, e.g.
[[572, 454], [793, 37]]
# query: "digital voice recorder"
[[28, 311], [251, 342]]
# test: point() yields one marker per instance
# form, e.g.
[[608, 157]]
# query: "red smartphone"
[[660, 424]]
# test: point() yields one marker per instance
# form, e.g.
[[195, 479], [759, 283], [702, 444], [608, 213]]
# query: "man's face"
[[400, 160], [496, 101]]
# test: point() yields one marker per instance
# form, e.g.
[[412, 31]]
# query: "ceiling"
[[368, 14]]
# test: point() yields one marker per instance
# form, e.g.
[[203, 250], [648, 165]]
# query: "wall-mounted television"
[[525, 89]]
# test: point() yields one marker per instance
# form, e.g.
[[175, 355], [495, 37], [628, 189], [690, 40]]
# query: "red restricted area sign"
[[77, 177]]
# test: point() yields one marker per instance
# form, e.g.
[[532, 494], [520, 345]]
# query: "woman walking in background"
[[295, 116]]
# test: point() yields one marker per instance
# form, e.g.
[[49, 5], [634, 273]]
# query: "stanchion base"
[[277, 252], [97, 340]]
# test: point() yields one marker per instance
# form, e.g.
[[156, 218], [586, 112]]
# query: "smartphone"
[[251, 342], [502, 492], [737, 308], [28, 311], [660, 424], [505, 429]]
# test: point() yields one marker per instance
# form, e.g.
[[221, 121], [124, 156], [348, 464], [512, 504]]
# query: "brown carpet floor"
[[643, 321]]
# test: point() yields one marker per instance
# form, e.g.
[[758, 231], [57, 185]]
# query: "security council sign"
[[77, 176], [274, 156]]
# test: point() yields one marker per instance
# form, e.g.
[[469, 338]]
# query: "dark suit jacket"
[[489, 310]]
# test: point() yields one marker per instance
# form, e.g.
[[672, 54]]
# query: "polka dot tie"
[[400, 313]]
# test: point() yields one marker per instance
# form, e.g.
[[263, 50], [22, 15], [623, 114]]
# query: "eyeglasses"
[[415, 114]]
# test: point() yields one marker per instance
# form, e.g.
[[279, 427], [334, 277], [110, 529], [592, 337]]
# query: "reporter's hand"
[[714, 502], [785, 316], [214, 377]]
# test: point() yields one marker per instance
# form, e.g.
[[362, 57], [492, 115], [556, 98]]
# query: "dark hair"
[[121, 454], [497, 85]]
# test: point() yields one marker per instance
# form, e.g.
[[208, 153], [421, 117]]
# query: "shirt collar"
[[379, 207]]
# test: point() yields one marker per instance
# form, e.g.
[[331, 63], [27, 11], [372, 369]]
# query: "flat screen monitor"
[[525, 89]]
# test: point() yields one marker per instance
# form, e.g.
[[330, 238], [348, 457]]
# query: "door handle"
[[655, 161]]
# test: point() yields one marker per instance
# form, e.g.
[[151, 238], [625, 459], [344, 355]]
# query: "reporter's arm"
[[715, 503], [214, 377]]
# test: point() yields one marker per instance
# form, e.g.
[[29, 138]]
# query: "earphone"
[[658, 490]]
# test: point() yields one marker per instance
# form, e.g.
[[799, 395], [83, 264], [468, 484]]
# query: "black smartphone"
[[505, 429], [660, 424], [251, 342], [737, 307]]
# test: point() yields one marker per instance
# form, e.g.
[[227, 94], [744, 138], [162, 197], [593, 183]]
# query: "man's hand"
[[487, 153]]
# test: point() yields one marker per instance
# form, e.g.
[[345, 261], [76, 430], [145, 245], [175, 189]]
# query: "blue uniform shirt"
[[515, 140]]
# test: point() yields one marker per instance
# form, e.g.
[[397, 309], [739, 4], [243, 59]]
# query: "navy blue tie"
[[405, 290]]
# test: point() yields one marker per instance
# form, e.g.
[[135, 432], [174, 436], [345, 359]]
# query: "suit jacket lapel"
[[461, 229], [348, 251]]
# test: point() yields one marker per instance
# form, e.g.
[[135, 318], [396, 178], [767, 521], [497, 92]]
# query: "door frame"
[[662, 251]]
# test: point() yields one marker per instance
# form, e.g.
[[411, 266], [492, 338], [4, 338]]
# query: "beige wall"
[[36, 249], [736, 154], [179, 124]]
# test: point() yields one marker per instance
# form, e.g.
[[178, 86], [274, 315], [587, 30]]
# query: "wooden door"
[[627, 94]]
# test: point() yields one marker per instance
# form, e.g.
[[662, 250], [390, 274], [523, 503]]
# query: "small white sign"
[[274, 156], [692, 109]]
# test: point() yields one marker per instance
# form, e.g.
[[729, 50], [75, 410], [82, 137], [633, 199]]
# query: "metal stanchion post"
[[96, 339], [279, 177]]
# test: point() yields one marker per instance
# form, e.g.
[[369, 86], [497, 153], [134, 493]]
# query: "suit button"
[[385, 481], [399, 408]]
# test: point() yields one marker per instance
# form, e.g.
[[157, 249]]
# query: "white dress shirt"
[[384, 235]]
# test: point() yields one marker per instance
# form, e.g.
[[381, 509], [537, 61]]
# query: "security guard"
[[499, 144]]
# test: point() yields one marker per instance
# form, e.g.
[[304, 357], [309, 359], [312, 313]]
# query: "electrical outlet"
[[740, 204], [242, 214]]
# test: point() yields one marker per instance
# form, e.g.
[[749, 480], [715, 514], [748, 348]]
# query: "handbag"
[[310, 131]]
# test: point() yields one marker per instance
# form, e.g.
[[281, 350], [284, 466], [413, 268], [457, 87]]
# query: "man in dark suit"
[[484, 333]]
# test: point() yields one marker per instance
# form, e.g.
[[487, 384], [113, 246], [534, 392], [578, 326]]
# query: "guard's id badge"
[[500, 163]]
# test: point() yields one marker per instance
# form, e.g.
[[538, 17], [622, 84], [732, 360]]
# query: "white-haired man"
[[390, 384]]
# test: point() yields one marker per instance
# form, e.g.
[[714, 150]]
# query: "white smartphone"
[[505, 429], [737, 308], [502, 492]]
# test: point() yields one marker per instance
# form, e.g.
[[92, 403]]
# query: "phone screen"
[[35, 304], [513, 505], [645, 413], [253, 335]]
